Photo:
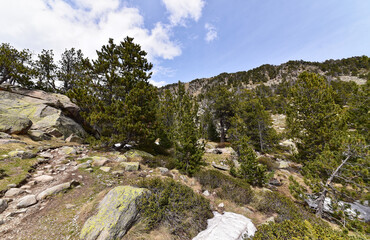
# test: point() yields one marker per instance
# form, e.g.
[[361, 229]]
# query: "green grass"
[[14, 170]]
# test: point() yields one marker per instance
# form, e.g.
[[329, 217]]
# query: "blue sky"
[[188, 39]]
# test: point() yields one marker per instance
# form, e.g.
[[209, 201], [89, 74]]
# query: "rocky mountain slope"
[[355, 69]]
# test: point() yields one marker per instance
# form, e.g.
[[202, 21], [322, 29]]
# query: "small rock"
[[275, 182], [121, 158], [83, 165], [44, 178], [46, 154], [16, 213], [12, 192], [183, 178], [61, 168], [131, 166], [268, 220], [42, 160], [26, 187], [80, 176], [2, 221], [22, 154], [74, 138], [206, 193], [118, 173], [221, 205], [3, 205], [27, 201], [89, 169], [67, 150], [283, 164], [99, 161], [163, 170], [224, 168], [37, 135], [5, 136], [69, 206], [105, 169], [12, 185], [31, 183]]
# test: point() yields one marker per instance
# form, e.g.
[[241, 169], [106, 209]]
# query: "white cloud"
[[87, 24], [180, 10], [211, 32]]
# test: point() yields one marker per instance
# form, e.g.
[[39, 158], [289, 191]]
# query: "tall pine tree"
[[117, 97]]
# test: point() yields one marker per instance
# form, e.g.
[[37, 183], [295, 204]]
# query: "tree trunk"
[[223, 134], [260, 135], [321, 199], [320, 203]]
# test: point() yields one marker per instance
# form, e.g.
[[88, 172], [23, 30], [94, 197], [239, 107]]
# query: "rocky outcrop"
[[116, 214], [227, 226], [42, 113]]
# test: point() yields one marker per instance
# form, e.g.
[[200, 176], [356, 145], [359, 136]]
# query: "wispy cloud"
[[211, 32]]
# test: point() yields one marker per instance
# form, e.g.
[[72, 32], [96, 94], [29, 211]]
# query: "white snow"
[[227, 226]]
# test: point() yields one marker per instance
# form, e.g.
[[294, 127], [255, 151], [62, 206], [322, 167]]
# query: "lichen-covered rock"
[[68, 150], [46, 112], [137, 155], [131, 166], [116, 214], [13, 124], [21, 154], [121, 158]]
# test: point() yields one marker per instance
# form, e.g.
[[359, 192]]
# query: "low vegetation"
[[175, 206]]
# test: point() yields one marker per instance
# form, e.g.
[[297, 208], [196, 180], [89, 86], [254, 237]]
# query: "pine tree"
[[185, 132], [72, 66], [116, 95], [15, 66], [46, 71], [312, 117], [252, 120], [250, 170], [222, 105]]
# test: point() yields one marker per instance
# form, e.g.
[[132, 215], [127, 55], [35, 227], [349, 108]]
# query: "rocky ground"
[[67, 180]]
